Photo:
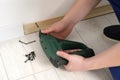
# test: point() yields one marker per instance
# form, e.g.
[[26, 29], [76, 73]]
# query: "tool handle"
[[85, 53], [68, 45]]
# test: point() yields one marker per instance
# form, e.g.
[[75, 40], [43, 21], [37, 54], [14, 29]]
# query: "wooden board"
[[31, 27]]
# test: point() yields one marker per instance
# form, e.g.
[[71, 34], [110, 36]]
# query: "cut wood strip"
[[31, 27]]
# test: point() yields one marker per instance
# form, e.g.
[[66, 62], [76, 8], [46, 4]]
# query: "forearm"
[[108, 58], [80, 9]]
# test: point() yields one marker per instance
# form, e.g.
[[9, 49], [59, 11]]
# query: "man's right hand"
[[60, 29]]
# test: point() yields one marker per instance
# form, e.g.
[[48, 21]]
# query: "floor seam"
[[4, 67]]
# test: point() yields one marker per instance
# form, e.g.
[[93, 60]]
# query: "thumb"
[[63, 55], [47, 30]]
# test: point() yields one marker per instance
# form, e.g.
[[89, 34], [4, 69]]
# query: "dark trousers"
[[115, 71], [116, 7]]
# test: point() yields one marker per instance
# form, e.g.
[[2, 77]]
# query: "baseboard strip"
[[31, 27]]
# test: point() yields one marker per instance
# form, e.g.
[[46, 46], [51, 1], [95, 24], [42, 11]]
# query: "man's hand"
[[75, 62], [60, 29]]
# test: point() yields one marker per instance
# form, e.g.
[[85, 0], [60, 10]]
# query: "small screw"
[[31, 56]]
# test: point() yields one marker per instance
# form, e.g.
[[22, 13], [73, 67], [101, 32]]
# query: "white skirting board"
[[11, 31]]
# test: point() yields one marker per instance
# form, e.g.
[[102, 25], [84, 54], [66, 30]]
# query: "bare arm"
[[80, 9], [108, 58], [61, 29]]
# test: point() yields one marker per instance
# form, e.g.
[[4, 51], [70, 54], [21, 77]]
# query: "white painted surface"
[[27, 78], [12, 54], [11, 31], [47, 75], [15, 11], [3, 75], [26, 11]]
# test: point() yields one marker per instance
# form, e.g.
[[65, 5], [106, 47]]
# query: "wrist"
[[69, 21], [90, 63]]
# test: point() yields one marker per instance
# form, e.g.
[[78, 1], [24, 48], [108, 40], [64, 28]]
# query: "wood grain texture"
[[31, 27]]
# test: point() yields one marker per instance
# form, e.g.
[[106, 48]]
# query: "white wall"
[[14, 13]]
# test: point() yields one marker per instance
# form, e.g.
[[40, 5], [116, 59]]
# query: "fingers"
[[48, 30], [63, 55], [73, 50], [68, 67]]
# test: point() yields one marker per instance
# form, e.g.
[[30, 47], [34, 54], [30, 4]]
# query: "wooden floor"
[[90, 32]]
